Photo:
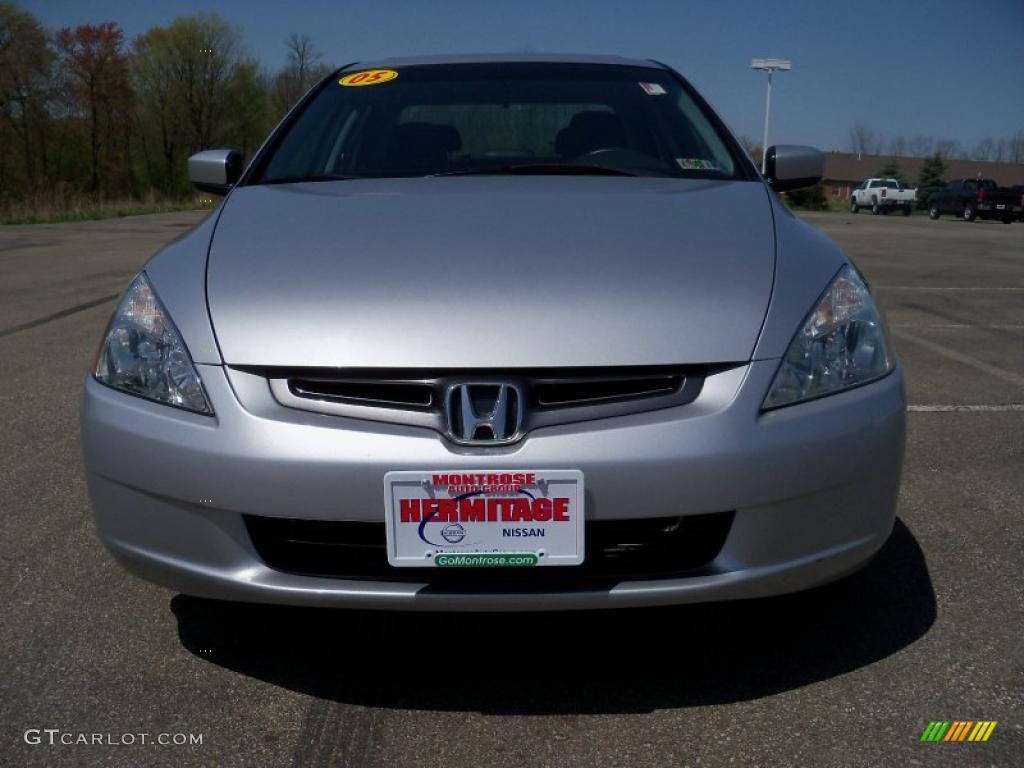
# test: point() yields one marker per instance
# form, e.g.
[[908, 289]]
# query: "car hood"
[[491, 272]]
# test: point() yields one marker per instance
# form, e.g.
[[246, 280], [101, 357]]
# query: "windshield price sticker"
[[484, 519], [652, 89], [368, 77]]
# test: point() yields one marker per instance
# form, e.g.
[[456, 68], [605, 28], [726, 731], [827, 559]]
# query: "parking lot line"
[[1002, 288], [981, 326], [964, 408], [979, 365]]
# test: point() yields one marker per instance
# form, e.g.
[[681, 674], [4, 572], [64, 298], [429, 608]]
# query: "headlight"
[[842, 344], [143, 353]]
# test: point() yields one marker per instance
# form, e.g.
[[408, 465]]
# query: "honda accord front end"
[[496, 334]]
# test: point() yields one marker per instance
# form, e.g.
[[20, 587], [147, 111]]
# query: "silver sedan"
[[475, 333]]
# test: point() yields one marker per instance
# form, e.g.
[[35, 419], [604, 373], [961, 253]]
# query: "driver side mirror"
[[788, 166], [215, 170]]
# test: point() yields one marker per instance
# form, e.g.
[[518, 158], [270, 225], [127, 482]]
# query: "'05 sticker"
[[369, 77]]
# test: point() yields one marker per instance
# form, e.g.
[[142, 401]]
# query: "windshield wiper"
[[567, 169], [310, 177]]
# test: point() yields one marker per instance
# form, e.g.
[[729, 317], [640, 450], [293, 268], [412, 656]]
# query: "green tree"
[[26, 91], [931, 178], [892, 170], [93, 60], [160, 129], [249, 122], [196, 88]]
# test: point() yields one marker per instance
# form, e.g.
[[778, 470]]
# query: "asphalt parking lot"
[[848, 674]]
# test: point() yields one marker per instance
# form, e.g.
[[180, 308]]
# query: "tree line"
[[865, 141], [86, 112]]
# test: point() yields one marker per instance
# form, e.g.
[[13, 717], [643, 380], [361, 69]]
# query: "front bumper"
[[813, 487]]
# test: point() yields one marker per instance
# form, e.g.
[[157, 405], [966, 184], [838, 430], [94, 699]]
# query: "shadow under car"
[[589, 662]]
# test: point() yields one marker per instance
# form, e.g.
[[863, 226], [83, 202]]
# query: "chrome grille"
[[551, 396]]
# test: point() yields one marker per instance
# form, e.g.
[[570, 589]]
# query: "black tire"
[[854, 208], [1007, 219], [906, 210], [934, 212], [969, 213], [875, 208]]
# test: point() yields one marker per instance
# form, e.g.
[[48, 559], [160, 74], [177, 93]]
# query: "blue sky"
[[912, 67]]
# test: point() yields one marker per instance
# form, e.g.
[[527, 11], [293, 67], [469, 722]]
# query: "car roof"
[[504, 58]]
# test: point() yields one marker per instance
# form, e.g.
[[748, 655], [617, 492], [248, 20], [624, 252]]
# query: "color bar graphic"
[[958, 730], [982, 730]]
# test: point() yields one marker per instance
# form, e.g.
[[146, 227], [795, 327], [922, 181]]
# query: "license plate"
[[1000, 207], [484, 518]]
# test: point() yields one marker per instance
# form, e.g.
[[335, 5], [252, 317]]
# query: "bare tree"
[[898, 147], [948, 149], [303, 69], [303, 55], [983, 150], [862, 140], [1000, 151], [921, 146], [865, 141], [1015, 148]]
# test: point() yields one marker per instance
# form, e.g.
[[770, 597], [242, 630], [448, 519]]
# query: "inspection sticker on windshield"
[[652, 89], [696, 164], [368, 77], [484, 518]]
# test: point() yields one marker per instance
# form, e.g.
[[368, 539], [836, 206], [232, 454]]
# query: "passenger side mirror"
[[788, 166], [215, 170]]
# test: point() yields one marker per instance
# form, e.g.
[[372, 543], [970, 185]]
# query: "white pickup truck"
[[882, 196]]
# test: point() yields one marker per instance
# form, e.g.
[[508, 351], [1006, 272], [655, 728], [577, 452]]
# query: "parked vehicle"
[[497, 333], [1018, 190], [882, 196], [972, 199]]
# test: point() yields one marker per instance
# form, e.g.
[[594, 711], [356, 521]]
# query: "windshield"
[[499, 118]]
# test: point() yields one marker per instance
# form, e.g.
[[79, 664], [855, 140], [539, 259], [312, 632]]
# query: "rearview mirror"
[[788, 166], [215, 170]]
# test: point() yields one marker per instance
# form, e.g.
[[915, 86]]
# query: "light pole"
[[769, 66]]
